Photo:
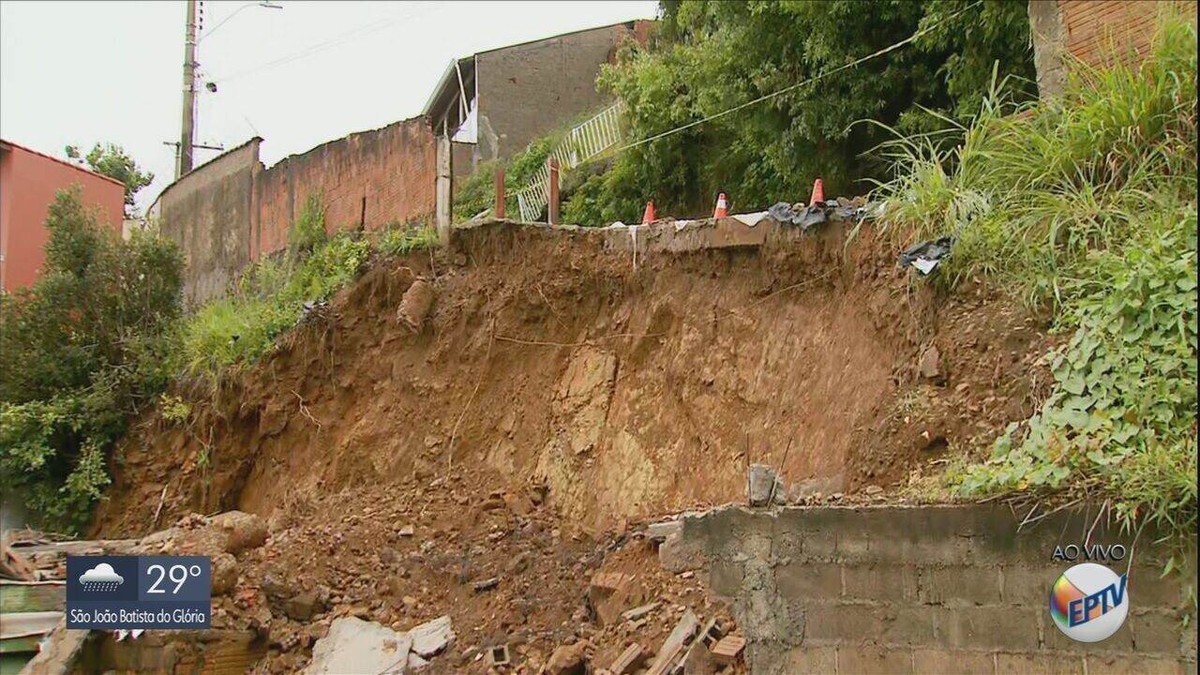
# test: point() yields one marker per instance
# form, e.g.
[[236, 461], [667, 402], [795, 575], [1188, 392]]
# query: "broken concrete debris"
[[498, 656], [764, 485], [356, 646], [658, 532], [429, 639]]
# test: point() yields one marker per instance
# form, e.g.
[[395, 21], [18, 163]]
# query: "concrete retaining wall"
[[921, 590]]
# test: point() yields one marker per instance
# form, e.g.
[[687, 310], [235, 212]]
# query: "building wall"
[[527, 91], [208, 215], [1096, 32], [935, 589], [367, 179], [231, 211], [29, 182]]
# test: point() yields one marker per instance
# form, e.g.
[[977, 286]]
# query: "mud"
[[488, 446], [548, 359]]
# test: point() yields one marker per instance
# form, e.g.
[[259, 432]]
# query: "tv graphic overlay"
[[129, 592], [1089, 602]]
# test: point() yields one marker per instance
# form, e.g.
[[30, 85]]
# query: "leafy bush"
[[477, 193], [1085, 205], [91, 338]]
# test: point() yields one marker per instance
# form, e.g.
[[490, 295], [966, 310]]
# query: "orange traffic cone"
[[648, 217], [818, 194], [722, 209]]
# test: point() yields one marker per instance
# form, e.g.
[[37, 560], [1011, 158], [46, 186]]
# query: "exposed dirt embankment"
[[548, 358]]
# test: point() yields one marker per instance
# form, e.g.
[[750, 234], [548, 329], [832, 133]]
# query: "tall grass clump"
[[1085, 206], [270, 298]]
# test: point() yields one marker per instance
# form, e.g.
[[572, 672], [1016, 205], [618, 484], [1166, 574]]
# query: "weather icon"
[[102, 577]]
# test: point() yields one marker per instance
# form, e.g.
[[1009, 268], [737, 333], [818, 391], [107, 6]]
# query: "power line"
[[793, 87], [327, 44]]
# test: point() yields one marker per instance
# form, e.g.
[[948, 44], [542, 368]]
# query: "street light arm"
[[222, 22]]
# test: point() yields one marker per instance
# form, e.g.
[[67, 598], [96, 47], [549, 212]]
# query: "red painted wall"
[[29, 182]]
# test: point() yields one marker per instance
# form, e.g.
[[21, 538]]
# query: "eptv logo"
[[1089, 602]]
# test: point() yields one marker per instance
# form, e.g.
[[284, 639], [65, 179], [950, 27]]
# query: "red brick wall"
[[369, 178], [29, 182], [1099, 31]]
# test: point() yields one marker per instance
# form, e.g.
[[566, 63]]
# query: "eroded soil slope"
[[626, 391]]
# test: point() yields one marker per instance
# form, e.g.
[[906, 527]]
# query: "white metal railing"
[[582, 143]]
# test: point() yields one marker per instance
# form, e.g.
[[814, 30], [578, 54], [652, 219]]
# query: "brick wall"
[[208, 215], [926, 590], [1097, 32], [1100, 31], [369, 178]]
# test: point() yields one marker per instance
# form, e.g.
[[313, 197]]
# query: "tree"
[[91, 338], [111, 160], [712, 56]]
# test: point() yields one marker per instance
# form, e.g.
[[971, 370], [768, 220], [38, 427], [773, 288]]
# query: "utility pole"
[[187, 134]]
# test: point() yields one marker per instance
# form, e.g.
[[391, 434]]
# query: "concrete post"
[[444, 186], [1049, 38]]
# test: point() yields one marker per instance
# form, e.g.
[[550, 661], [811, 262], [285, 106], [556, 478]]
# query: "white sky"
[[82, 72]]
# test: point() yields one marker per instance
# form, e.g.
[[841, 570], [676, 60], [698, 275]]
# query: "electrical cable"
[[327, 44]]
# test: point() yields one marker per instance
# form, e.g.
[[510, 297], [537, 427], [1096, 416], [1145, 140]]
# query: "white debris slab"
[[356, 646], [430, 638]]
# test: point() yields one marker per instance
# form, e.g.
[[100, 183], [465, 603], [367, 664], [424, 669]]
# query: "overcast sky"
[[81, 72]]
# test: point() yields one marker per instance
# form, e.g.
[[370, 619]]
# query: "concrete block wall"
[[208, 215], [230, 212], [922, 590]]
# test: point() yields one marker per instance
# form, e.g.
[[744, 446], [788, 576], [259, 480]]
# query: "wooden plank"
[[43, 596], [60, 652]]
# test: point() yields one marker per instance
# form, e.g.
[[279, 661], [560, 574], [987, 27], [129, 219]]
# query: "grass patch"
[[399, 240], [270, 300], [1086, 206]]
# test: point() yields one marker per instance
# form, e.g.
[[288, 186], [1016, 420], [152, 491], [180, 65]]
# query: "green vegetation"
[[399, 240], [111, 160], [1086, 207], [712, 56], [101, 336], [85, 347], [477, 192], [308, 232], [270, 299]]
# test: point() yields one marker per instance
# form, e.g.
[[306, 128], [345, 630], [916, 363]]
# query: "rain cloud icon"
[[102, 577]]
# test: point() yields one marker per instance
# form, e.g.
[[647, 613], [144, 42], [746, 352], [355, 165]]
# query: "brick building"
[[1096, 32], [492, 104], [29, 181]]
